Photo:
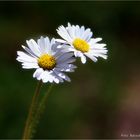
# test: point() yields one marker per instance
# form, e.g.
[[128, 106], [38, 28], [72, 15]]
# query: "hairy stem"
[[32, 110], [39, 112]]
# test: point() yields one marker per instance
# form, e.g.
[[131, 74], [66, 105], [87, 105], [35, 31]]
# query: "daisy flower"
[[49, 61], [80, 42]]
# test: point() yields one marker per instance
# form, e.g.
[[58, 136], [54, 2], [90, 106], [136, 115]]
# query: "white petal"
[[77, 53], [82, 29], [30, 65], [60, 40], [34, 47], [52, 41], [48, 45], [83, 59], [98, 50], [81, 55], [100, 55], [91, 57], [23, 57], [104, 51], [42, 75], [29, 51], [95, 40], [41, 43], [70, 60], [77, 31], [38, 72], [52, 46], [86, 35], [45, 76], [64, 57], [71, 31], [62, 75], [99, 46], [65, 48], [64, 34], [51, 79], [56, 78], [66, 67]]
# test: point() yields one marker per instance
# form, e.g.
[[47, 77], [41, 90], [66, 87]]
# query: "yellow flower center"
[[46, 61], [81, 45]]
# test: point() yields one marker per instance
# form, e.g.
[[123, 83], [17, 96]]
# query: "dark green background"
[[103, 100]]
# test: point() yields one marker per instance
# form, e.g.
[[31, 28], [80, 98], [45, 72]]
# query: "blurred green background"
[[103, 99]]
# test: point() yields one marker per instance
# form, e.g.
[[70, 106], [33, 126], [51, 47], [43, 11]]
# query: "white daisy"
[[80, 42], [49, 61]]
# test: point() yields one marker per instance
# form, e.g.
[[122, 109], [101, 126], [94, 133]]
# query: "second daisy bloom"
[[80, 41]]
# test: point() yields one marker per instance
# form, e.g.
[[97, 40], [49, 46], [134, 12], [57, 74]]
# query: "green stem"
[[32, 110], [39, 112]]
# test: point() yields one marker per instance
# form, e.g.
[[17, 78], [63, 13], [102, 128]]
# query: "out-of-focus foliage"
[[103, 99]]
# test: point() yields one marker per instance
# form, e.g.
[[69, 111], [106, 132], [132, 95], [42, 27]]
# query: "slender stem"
[[32, 110], [39, 112]]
